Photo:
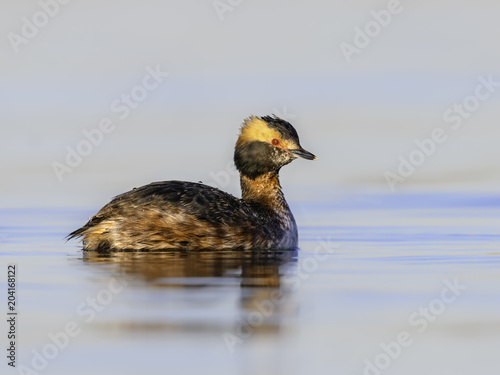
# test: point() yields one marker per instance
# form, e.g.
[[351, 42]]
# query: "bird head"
[[265, 144]]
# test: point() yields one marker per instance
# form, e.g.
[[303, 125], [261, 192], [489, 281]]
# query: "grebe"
[[193, 216]]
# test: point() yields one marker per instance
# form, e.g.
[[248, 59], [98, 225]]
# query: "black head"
[[266, 144]]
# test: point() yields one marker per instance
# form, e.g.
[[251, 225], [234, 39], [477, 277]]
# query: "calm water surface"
[[382, 284]]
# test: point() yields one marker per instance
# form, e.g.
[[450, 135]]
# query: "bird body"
[[194, 216]]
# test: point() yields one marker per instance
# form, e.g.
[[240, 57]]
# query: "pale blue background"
[[263, 57], [394, 250]]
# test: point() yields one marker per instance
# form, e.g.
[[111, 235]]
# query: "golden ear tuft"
[[256, 129]]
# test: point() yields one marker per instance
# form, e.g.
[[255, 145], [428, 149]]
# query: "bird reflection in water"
[[257, 274]]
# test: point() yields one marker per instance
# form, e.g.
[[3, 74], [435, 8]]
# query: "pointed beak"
[[301, 153]]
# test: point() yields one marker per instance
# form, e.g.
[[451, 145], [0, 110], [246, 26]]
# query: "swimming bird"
[[194, 216]]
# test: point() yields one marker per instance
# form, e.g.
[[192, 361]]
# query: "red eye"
[[275, 142]]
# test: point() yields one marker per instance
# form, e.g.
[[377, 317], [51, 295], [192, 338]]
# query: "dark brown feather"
[[186, 215]]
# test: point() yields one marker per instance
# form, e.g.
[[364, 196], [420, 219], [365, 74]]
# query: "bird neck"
[[264, 190]]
